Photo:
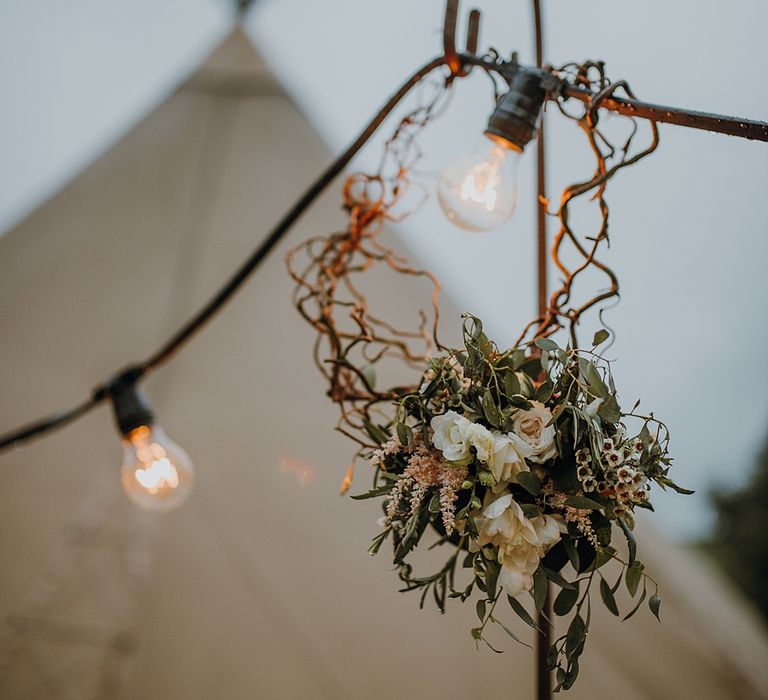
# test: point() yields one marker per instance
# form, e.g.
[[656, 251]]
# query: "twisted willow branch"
[[352, 341], [609, 160]]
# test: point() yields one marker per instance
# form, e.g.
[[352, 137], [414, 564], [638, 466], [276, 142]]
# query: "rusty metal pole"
[[543, 639]]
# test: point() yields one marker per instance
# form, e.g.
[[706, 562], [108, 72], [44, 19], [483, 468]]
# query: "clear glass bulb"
[[478, 190], [156, 474]]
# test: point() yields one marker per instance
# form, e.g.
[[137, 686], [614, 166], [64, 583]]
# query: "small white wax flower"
[[589, 484], [614, 457], [626, 474], [583, 472], [532, 426], [642, 495], [583, 456]]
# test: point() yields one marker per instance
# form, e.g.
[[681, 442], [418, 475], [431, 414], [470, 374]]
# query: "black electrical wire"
[[45, 425]]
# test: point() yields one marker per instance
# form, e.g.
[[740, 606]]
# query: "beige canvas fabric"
[[260, 586]]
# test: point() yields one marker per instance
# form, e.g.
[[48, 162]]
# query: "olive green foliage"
[[578, 485]]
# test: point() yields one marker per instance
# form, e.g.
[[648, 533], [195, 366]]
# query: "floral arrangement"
[[520, 462], [524, 463]]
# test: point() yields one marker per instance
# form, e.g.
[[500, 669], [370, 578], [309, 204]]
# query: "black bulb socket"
[[516, 116], [131, 409]]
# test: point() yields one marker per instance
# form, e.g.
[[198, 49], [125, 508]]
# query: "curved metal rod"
[[228, 290], [751, 129]]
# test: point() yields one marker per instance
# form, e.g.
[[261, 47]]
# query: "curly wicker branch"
[[353, 341]]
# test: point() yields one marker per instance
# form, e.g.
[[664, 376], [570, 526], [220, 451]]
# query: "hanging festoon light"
[[156, 474], [478, 190]]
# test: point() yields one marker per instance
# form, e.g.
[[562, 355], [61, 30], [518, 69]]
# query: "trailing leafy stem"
[[525, 465]]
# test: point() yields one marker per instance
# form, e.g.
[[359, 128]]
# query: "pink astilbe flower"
[[427, 469]]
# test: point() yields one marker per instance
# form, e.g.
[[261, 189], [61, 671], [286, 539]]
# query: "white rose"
[[508, 458], [531, 426], [454, 435], [448, 436], [521, 542]]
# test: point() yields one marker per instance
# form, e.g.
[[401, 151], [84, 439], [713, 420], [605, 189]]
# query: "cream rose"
[[521, 542], [508, 458], [531, 426], [482, 440]]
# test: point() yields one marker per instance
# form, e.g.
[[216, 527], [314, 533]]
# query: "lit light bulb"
[[156, 474], [478, 190]]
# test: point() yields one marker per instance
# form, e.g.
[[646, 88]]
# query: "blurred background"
[[147, 147]]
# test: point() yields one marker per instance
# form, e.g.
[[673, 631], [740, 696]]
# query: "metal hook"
[[452, 58], [449, 37]]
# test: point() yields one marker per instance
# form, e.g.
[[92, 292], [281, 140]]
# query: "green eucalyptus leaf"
[[570, 550], [594, 380], [511, 633], [404, 434], [377, 434], [540, 587], [492, 570], [532, 367], [577, 632], [582, 503], [654, 603], [490, 409], [530, 510], [546, 344], [609, 410], [373, 493], [511, 384], [518, 357], [544, 392], [530, 482], [637, 605], [520, 401], [565, 601], [522, 613], [558, 579], [600, 337], [633, 576], [434, 503], [607, 596]]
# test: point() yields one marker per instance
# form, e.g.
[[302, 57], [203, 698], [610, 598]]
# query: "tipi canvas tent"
[[260, 585]]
